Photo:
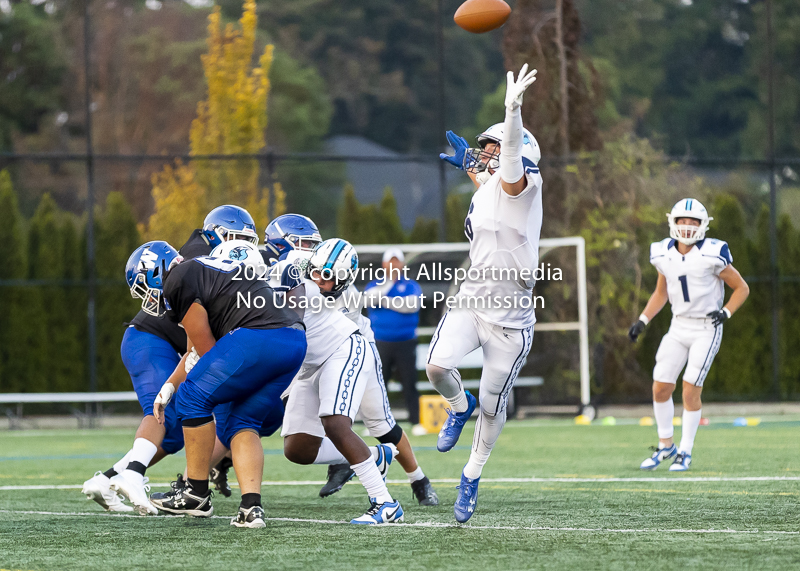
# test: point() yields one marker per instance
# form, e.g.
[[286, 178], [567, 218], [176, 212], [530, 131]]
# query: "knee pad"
[[393, 436]]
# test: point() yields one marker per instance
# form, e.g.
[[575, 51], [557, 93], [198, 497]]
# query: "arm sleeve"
[[511, 168], [182, 288]]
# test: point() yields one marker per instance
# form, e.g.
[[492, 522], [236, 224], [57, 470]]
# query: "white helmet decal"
[[240, 251]]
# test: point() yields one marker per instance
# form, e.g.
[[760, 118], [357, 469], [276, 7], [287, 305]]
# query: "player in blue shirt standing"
[[393, 308]]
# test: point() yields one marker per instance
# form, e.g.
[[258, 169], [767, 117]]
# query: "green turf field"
[[554, 496]]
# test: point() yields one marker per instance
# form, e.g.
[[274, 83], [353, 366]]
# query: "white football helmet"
[[241, 251], [334, 259], [478, 161], [686, 233]]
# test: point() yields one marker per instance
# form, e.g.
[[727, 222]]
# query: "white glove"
[[515, 89], [191, 360], [162, 400]]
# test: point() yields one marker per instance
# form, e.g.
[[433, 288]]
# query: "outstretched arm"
[[512, 171]]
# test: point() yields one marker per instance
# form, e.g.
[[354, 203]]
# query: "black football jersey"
[[229, 302], [197, 245], [162, 327]]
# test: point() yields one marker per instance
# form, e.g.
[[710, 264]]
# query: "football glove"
[[516, 88], [719, 316], [460, 147], [191, 360], [636, 330], [162, 400]]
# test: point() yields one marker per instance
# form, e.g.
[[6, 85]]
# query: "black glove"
[[718, 316], [636, 330]]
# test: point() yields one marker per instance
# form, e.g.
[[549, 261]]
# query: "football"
[[479, 16]]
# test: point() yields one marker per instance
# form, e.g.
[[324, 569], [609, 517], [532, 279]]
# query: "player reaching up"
[[692, 273], [503, 227]]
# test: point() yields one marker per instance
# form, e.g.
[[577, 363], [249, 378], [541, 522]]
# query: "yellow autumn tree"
[[231, 120]]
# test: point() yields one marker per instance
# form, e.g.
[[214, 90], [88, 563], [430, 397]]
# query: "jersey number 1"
[[684, 287]]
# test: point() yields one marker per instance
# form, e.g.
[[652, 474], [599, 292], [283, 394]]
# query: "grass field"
[[553, 496]]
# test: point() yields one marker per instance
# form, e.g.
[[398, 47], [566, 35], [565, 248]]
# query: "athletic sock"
[[664, 411], [139, 457], [459, 403], [487, 431], [199, 487], [122, 463], [370, 477], [690, 424], [250, 500], [415, 475], [329, 454]]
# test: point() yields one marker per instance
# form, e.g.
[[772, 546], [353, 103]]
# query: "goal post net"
[[454, 255]]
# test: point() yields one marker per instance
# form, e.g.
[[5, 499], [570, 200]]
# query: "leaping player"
[[503, 227], [692, 273]]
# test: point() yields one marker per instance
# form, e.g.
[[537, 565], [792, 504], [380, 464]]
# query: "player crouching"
[[692, 273]]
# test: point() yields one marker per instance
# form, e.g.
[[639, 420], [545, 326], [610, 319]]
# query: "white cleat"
[[135, 491], [681, 463], [98, 488], [659, 455]]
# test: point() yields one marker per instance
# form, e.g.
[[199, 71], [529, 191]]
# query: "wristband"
[[727, 312], [644, 319]]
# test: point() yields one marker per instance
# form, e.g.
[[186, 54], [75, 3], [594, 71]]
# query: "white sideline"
[[456, 481], [438, 524]]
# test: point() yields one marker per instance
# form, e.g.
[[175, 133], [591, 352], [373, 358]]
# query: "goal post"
[[545, 244]]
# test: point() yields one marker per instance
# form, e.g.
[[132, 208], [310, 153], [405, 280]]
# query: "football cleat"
[[452, 427], [338, 476], [185, 502], [135, 491], [424, 492], [98, 488], [219, 476], [379, 514], [386, 453], [659, 455], [681, 463], [177, 484], [467, 499], [250, 517]]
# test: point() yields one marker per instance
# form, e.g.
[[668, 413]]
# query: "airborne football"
[[465, 284]]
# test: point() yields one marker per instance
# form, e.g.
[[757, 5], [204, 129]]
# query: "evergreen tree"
[[425, 231], [45, 308], [15, 332], [117, 236]]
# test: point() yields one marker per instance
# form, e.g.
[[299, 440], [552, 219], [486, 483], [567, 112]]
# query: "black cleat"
[[338, 476], [177, 484], [249, 517], [424, 492], [219, 476], [185, 502]]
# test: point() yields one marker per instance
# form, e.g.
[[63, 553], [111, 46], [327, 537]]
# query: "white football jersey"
[[693, 283], [326, 326], [350, 304], [503, 231]]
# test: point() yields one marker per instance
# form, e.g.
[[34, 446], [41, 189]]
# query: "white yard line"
[[600, 480], [431, 524]]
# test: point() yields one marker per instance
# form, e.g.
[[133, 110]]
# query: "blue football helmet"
[[229, 223], [291, 232], [145, 273]]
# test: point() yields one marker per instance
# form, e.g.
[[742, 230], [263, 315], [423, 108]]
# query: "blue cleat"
[[659, 455], [681, 463], [452, 427], [379, 514], [467, 499]]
